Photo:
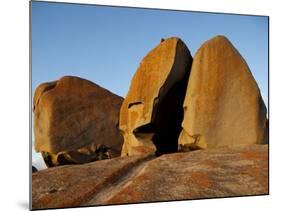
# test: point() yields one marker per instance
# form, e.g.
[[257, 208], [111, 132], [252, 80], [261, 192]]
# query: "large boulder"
[[151, 114], [221, 172], [76, 121], [223, 105]]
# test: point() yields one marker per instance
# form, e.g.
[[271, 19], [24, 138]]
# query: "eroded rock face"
[[76, 121], [72, 185], [151, 114], [223, 105], [222, 172]]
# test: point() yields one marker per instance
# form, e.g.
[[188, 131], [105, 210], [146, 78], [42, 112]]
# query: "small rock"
[[34, 169]]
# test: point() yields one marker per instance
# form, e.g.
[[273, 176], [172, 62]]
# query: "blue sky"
[[106, 44]]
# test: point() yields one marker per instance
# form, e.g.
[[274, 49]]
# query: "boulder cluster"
[[174, 103], [179, 103]]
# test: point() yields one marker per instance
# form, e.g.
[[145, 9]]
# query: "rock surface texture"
[[76, 121], [151, 114], [223, 105], [206, 173]]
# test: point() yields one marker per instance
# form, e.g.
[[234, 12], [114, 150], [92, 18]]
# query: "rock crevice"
[[151, 114]]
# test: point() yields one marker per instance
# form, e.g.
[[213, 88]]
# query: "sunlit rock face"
[[210, 173], [76, 121], [151, 114], [223, 105]]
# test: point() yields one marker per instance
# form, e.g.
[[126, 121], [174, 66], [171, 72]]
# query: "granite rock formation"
[[223, 105], [76, 121], [174, 104], [151, 114], [220, 172]]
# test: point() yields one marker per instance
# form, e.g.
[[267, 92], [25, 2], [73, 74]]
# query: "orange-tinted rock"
[[223, 105], [199, 174], [222, 172], [76, 121], [151, 113], [72, 185]]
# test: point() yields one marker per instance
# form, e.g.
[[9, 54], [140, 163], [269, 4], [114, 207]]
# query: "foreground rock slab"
[[73, 185], [221, 172], [223, 105], [76, 121], [151, 114]]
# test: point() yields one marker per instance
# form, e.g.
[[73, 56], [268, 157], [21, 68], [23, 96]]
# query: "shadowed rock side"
[[210, 173], [34, 169], [223, 105], [76, 121], [151, 114]]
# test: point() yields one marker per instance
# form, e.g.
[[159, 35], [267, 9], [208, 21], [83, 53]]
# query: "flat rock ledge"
[[221, 172]]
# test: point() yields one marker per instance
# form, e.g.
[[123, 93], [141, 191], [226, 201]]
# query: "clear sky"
[[106, 44]]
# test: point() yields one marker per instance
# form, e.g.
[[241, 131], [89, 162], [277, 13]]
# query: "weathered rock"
[[223, 105], [222, 172], [151, 114], [76, 121], [72, 185], [200, 174]]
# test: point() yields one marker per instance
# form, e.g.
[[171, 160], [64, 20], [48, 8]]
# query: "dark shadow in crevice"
[[132, 104], [168, 112], [169, 118]]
